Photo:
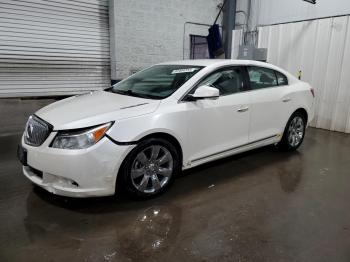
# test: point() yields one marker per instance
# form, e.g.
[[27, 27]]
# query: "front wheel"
[[150, 168], [294, 132]]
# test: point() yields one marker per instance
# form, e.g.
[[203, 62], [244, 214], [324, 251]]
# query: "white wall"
[[277, 11], [151, 31], [321, 50]]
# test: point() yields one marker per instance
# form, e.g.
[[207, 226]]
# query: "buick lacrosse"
[[141, 132]]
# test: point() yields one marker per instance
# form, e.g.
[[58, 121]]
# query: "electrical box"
[[248, 52]]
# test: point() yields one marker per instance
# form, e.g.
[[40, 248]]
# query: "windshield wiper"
[[123, 92], [148, 96], [129, 92]]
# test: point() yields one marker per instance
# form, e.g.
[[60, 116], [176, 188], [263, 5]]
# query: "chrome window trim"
[[181, 100]]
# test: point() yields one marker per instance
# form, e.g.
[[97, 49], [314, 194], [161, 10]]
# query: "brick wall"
[[146, 32]]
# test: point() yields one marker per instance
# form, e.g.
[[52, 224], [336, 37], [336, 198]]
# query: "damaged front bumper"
[[75, 173]]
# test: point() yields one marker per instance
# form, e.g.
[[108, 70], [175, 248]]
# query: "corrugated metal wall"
[[52, 47], [321, 49]]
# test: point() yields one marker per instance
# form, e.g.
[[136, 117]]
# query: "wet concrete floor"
[[259, 206]]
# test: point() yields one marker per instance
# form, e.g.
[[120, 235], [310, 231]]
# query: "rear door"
[[269, 103]]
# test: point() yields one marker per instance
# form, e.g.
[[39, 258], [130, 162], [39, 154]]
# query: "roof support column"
[[229, 19]]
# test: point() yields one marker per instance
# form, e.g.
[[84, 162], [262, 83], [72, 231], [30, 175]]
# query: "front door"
[[218, 125]]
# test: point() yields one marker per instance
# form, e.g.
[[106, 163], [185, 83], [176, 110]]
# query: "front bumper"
[[75, 173]]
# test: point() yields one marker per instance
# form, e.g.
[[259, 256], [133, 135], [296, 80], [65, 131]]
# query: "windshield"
[[156, 82]]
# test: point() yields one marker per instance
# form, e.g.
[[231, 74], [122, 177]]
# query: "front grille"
[[36, 131]]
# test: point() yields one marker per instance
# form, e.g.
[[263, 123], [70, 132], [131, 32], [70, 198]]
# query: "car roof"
[[209, 62], [224, 62]]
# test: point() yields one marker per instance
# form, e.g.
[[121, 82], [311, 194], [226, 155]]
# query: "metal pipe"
[[217, 17], [249, 12], [246, 19], [304, 20], [245, 16]]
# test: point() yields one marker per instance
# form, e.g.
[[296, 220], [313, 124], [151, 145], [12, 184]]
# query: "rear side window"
[[282, 80], [261, 77]]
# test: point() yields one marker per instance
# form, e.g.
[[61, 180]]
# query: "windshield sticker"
[[185, 70]]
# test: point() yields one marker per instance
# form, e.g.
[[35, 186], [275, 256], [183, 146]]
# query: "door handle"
[[243, 109], [287, 99]]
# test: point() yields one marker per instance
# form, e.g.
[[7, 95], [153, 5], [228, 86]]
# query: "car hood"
[[95, 108]]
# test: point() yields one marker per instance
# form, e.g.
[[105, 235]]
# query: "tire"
[[295, 127], [146, 173]]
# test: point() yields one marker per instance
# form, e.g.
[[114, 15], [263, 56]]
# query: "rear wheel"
[[294, 132], [150, 168]]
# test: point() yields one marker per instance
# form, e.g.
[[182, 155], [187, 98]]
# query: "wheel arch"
[[299, 109], [283, 143], [302, 111], [170, 138]]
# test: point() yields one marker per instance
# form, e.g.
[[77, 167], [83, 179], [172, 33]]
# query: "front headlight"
[[79, 139]]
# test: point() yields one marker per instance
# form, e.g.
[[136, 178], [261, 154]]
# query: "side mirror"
[[206, 92]]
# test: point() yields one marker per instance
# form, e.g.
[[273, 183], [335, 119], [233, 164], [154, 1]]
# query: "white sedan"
[[141, 132]]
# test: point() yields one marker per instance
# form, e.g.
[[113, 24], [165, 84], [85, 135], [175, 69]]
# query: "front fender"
[[134, 129]]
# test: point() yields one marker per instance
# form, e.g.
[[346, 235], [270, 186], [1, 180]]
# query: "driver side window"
[[227, 81]]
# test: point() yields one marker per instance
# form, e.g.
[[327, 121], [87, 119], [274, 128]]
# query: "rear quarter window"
[[282, 80]]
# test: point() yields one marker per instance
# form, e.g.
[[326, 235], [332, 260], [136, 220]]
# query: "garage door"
[[53, 47]]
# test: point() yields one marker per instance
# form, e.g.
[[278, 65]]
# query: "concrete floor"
[[259, 206]]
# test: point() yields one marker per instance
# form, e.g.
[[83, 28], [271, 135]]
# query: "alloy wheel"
[[152, 169], [296, 131]]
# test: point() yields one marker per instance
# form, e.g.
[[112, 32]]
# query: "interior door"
[[216, 125], [268, 104]]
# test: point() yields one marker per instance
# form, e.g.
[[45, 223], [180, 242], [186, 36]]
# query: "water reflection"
[[151, 232], [130, 231], [290, 172]]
